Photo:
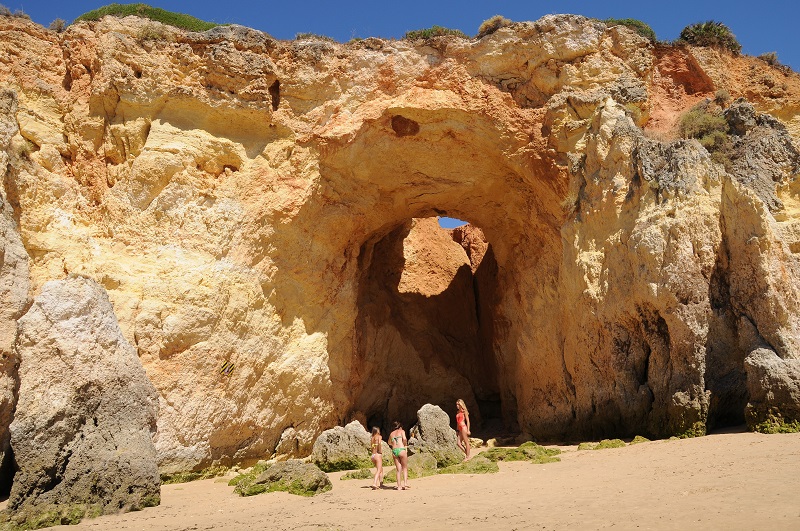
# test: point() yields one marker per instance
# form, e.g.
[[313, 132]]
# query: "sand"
[[723, 481]]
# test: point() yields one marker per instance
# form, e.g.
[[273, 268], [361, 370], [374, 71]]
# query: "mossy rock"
[[476, 465], [602, 445], [249, 477], [698, 429], [639, 439], [777, 424], [294, 477], [610, 443], [529, 451], [419, 465], [345, 464], [48, 516], [364, 473], [185, 477]]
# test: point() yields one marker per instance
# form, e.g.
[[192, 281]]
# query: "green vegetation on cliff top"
[[179, 20]]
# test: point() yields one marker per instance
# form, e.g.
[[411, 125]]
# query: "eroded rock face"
[[82, 431], [14, 286], [248, 202]]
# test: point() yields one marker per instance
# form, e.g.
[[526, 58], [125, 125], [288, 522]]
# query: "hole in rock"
[[424, 331], [7, 472], [275, 94], [450, 223]]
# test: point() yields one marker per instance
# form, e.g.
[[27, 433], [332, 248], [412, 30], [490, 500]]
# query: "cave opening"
[[427, 299]]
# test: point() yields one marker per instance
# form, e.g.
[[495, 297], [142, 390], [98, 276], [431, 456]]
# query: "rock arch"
[[443, 160]]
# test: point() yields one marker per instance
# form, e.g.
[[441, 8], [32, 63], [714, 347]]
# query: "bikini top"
[[398, 440], [376, 446]]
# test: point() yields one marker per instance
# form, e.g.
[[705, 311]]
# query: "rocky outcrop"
[[293, 476], [256, 205], [82, 431], [433, 435], [14, 286], [773, 386], [346, 448]]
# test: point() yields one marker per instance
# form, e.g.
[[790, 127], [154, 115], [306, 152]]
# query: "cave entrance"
[[425, 327]]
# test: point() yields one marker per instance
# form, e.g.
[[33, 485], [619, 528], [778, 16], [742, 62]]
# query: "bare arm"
[[466, 416]]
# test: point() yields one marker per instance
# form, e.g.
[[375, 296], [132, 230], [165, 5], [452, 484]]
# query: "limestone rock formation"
[[256, 205], [14, 286], [82, 431], [433, 435], [345, 448], [773, 385]]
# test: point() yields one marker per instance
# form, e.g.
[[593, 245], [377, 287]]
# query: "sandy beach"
[[733, 480]]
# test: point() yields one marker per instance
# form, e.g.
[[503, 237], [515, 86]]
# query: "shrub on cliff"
[[638, 26], [491, 25], [433, 31], [710, 33], [6, 12], [179, 20], [711, 129], [58, 25]]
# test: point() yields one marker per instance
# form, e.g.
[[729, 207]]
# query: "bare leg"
[[376, 479], [404, 462], [398, 469]]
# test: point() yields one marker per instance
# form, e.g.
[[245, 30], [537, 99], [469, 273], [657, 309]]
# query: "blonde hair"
[[463, 406]]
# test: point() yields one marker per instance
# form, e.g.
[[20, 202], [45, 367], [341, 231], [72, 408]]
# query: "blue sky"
[[763, 26]]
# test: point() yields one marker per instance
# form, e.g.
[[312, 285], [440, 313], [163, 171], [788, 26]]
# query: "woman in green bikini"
[[399, 444]]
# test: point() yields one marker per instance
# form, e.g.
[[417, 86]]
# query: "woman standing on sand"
[[462, 422], [399, 444], [375, 444]]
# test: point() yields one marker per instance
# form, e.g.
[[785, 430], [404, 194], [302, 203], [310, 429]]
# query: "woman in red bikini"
[[375, 444], [462, 422], [399, 444]]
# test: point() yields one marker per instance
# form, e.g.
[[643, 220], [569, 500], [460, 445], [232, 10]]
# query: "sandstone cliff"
[[250, 202]]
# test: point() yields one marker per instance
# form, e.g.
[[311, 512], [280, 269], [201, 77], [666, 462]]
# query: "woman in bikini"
[[399, 444], [375, 444], [462, 421]]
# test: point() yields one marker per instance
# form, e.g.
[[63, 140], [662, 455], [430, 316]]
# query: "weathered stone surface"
[[249, 201], [14, 286], [773, 385], [433, 435], [295, 477], [345, 448], [86, 412]]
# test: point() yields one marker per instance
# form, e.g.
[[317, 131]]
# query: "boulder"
[[346, 448], [773, 385], [81, 434], [293, 476], [432, 434]]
